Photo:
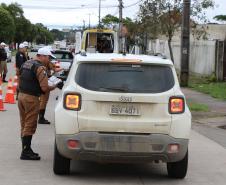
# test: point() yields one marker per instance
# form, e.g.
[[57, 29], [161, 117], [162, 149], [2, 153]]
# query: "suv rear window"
[[128, 78]]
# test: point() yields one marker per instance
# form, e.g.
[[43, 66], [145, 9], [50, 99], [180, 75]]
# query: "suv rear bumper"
[[121, 147]]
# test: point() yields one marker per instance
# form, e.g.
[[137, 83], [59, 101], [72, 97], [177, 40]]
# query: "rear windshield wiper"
[[120, 89]]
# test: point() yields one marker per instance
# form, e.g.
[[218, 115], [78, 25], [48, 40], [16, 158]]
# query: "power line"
[[128, 6], [116, 12], [77, 7], [66, 8]]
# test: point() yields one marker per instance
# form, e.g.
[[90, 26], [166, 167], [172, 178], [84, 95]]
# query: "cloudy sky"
[[75, 12]]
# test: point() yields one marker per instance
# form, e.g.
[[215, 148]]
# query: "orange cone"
[[15, 84], [1, 99], [9, 97]]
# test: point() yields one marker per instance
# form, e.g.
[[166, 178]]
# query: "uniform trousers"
[[3, 67], [44, 100], [28, 108]]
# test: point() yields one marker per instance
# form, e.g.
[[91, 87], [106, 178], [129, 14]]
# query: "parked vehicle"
[[35, 48], [64, 60], [9, 54], [124, 109]]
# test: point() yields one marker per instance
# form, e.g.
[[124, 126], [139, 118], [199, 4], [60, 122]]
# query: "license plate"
[[130, 110]]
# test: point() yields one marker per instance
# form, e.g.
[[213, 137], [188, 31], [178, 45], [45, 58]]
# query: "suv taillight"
[[176, 105], [72, 101]]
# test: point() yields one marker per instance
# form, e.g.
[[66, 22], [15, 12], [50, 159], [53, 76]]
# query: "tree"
[[112, 21], [14, 9], [43, 34], [170, 22], [148, 17], [31, 37], [7, 26], [23, 29], [149, 22], [57, 34], [164, 16], [22, 25], [220, 17]]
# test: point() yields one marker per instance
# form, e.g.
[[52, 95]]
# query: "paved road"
[[207, 161]]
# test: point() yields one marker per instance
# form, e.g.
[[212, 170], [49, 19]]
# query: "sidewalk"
[[215, 105], [208, 123], [217, 108]]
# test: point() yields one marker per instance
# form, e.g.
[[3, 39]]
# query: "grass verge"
[[198, 107], [204, 85]]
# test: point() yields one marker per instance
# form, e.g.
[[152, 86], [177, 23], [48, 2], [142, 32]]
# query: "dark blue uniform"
[[20, 59]]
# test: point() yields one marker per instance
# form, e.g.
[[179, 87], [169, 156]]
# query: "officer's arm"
[[17, 66], [27, 56], [43, 79]]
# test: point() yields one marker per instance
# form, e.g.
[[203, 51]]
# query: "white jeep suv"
[[116, 108]]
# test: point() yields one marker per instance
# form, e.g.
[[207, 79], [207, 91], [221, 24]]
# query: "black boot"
[[27, 152], [3, 78], [29, 143], [42, 119]]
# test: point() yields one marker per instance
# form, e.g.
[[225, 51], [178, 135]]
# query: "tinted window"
[[128, 78]]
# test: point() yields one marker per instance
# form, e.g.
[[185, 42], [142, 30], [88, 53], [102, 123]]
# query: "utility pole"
[[89, 20], [84, 24], [185, 44], [120, 26], [99, 11]]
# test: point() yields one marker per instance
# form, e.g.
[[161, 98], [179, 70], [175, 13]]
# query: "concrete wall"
[[202, 55], [213, 32], [202, 58], [216, 31]]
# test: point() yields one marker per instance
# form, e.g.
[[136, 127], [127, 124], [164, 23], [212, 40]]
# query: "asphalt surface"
[[207, 160]]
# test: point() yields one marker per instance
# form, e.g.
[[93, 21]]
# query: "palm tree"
[[220, 17]]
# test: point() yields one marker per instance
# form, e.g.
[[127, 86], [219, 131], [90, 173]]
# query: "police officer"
[[33, 82], [45, 97], [20, 57], [3, 63], [25, 43]]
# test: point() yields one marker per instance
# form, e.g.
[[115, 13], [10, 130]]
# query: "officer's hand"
[[60, 85], [52, 87], [58, 69]]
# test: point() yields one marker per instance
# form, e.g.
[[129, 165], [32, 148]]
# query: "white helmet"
[[25, 43], [3, 44], [22, 46]]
